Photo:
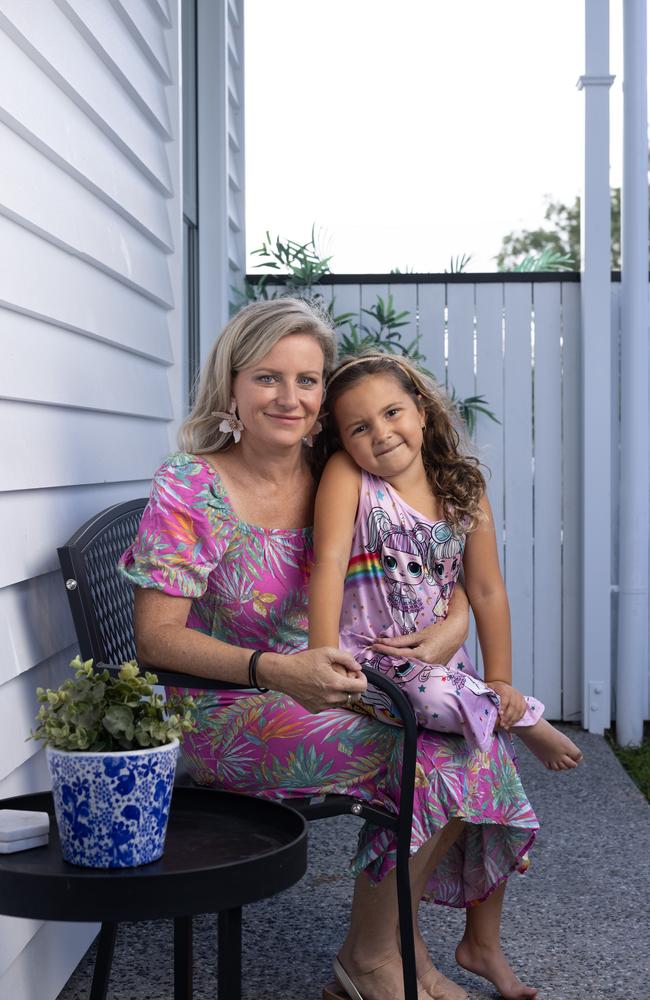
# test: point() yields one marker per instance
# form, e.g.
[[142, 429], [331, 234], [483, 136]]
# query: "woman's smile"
[[289, 376]]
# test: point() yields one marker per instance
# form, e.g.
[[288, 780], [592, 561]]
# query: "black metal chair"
[[102, 609]]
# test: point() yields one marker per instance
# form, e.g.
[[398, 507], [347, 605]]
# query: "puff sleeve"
[[184, 531]]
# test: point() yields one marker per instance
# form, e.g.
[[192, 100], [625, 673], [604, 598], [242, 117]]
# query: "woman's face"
[[279, 397]]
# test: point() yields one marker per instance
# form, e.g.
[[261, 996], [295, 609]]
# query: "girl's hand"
[[319, 679], [513, 704], [434, 644]]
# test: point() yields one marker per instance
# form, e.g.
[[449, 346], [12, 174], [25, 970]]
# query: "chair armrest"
[[170, 678], [405, 712]]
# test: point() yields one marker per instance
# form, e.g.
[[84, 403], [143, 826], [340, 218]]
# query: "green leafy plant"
[[548, 260], [303, 266], [459, 263], [469, 409], [100, 711]]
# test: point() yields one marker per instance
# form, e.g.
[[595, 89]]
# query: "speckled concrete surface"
[[576, 926]]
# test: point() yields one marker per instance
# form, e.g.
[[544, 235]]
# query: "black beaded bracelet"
[[252, 671]]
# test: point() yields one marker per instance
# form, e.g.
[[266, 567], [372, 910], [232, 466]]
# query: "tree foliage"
[[560, 236], [303, 265]]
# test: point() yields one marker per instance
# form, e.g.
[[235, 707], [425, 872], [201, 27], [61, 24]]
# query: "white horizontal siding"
[[43, 430], [32, 776], [42, 968], [33, 523], [18, 707], [90, 383], [35, 623], [107, 310], [95, 376], [47, 36], [73, 141], [109, 36], [38, 194], [147, 31]]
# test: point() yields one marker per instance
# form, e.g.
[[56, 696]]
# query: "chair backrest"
[[100, 601]]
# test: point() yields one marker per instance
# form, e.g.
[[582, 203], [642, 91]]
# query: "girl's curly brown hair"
[[453, 473]]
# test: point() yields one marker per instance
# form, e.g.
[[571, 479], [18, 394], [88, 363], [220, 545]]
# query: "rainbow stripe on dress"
[[365, 566]]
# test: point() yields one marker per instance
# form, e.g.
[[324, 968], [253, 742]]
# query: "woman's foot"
[[435, 985], [438, 987], [383, 982], [493, 965], [555, 750]]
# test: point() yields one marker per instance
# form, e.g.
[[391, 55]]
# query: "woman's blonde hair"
[[453, 473], [247, 337]]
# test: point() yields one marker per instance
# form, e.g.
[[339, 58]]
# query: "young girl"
[[399, 511]]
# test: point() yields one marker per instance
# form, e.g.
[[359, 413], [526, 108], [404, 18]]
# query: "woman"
[[220, 564]]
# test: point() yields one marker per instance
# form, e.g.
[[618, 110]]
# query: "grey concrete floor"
[[577, 925]]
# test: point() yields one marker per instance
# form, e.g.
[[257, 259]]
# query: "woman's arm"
[[438, 642], [335, 511], [489, 601], [319, 679]]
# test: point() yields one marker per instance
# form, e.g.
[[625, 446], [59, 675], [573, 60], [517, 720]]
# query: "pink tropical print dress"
[[248, 587]]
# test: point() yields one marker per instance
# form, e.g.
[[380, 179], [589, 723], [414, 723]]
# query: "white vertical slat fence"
[[517, 344], [516, 340]]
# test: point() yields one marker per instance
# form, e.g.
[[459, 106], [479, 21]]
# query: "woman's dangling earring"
[[309, 438], [230, 422]]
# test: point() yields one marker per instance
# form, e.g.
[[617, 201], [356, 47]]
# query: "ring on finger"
[[349, 701]]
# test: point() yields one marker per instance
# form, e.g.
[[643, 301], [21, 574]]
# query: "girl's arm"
[[336, 507], [489, 602]]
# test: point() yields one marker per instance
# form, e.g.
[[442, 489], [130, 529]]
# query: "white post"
[[220, 113], [596, 392], [632, 661]]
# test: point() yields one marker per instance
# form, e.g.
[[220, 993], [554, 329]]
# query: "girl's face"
[[380, 425], [279, 397], [403, 567]]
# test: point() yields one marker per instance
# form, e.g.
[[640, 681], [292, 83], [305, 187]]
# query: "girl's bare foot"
[[493, 965], [555, 750]]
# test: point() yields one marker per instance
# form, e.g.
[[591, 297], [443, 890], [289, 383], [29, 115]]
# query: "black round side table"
[[222, 851]]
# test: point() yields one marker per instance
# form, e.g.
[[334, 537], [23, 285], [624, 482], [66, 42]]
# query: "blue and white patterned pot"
[[112, 808]]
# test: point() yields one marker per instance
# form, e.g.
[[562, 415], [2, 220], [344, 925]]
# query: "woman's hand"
[[513, 704], [319, 679]]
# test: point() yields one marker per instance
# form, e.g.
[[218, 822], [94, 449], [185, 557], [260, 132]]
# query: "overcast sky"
[[415, 130]]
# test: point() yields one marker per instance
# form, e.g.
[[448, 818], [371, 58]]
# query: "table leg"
[[229, 974], [102, 971], [183, 964]]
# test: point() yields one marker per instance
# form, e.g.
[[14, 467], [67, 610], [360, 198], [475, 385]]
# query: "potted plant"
[[111, 744]]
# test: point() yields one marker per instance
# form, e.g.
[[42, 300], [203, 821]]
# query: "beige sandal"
[[333, 990]]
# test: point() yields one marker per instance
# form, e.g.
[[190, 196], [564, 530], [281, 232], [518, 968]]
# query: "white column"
[[596, 393], [220, 113], [632, 660]]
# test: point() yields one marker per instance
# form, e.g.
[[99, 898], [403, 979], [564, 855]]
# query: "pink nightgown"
[[400, 578]]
